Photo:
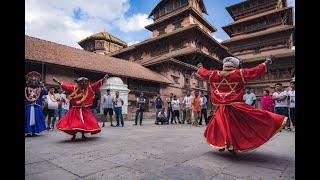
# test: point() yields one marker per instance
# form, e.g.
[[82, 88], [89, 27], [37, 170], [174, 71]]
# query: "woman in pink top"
[[267, 103]]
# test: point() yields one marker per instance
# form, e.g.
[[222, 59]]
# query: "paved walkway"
[[153, 152]]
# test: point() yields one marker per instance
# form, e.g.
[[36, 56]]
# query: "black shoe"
[[221, 150], [180, 122], [28, 135], [84, 137], [156, 123], [34, 135], [112, 125], [73, 138], [48, 129], [200, 124], [103, 125], [118, 125], [122, 125], [233, 152]]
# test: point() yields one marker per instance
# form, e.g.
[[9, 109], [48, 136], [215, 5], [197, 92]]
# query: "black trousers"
[[139, 112], [293, 116], [204, 114]]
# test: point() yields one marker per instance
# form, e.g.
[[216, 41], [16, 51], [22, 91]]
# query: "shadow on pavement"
[[79, 140]]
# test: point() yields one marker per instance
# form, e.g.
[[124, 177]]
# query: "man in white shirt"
[[281, 102], [53, 105], [176, 109], [292, 103], [107, 104], [249, 97], [187, 103], [118, 103]]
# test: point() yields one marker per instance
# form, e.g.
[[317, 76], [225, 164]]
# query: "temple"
[[262, 28], [181, 38]]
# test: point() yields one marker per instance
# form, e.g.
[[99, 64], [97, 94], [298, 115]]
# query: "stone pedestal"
[[116, 84]]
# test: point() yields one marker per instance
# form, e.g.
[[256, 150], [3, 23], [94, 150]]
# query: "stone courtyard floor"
[[153, 152]]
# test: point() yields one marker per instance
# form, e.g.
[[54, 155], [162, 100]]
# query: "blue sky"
[[217, 14], [68, 21]]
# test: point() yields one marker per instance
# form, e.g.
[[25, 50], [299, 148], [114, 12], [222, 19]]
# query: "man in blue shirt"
[[249, 97]]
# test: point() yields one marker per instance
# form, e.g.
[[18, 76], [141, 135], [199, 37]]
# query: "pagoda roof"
[[280, 53], [257, 16], [228, 8], [259, 33], [173, 54], [179, 12], [177, 31], [42, 51], [103, 36], [203, 7]]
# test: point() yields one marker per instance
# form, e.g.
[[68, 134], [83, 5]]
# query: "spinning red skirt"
[[241, 127], [79, 120]]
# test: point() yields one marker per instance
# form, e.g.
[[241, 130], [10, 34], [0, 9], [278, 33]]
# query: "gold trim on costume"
[[38, 92], [80, 129], [227, 104], [241, 73], [224, 81]]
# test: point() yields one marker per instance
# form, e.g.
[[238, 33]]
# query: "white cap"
[[231, 61]]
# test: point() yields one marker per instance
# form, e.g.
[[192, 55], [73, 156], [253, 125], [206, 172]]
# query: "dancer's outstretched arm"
[[99, 83], [204, 73], [248, 74], [65, 86]]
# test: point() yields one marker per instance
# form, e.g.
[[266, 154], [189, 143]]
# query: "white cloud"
[[133, 42], [54, 20], [134, 23], [292, 3], [217, 38]]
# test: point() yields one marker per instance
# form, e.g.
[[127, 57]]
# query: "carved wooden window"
[[200, 83], [175, 79], [187, 80], [169, 7], [161, 11], [137, 56], [178, 24], [162, 31], [177, 4], [199, 45]]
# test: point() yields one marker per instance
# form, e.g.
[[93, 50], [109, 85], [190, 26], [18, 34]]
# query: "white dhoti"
[[32, 116]]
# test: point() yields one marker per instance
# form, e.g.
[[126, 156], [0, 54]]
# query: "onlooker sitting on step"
[[162, 116]]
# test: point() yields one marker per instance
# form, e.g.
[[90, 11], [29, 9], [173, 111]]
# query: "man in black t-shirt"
[[95, 104]]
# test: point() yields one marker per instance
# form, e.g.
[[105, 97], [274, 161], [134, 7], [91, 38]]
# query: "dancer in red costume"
[[235, 125], [79, 118]]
